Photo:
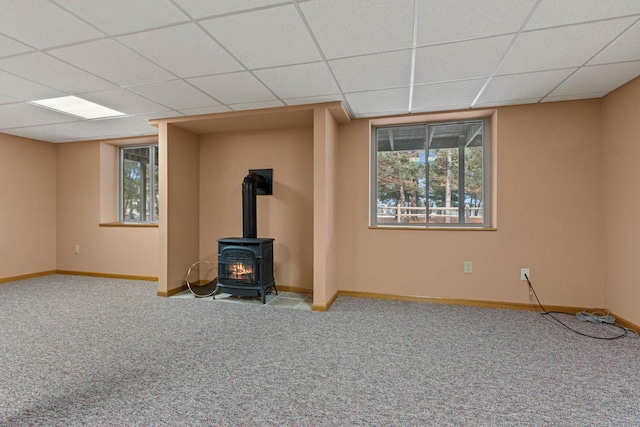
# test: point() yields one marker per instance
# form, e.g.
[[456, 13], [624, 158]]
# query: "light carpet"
[[103, 352]]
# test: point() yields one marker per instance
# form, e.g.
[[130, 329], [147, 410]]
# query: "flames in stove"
[[240, 271]]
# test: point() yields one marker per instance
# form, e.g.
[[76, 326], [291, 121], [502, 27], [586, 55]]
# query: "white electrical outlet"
[[523, 272], [76, 249], [468, 267]]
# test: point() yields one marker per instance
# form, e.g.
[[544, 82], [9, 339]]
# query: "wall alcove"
[[203, 160]]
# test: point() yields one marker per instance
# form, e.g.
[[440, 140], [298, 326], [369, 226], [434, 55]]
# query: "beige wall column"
[[179, 181], [325, 139]]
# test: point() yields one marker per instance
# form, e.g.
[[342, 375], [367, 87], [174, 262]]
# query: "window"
[[138, 184], [431, 175]]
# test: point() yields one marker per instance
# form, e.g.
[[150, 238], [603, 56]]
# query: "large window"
[[138, 184], [431, 175]]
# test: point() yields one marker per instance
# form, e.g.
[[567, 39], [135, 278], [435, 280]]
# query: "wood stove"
[[245, 264]]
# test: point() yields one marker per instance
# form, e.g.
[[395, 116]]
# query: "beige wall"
[[287, 215], [620, 201], [81, 208], [179, 206], [28, 206], [548, 171]]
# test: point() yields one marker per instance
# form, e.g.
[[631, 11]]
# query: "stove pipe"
[[252, 185], [249, 221]]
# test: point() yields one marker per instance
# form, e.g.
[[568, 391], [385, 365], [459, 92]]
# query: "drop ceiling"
[[154, 59]]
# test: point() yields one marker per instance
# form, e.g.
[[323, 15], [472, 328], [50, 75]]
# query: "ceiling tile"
[[458, 61], [23, 89], [377, 115], [185, 50], [561, 47], [297, 81], [124, 101], [574, 97], [379, 101], [313, 99], [113, 128], [135, 126], [42, 24], [56, 132], [87, 130], [176, 94], [507, 103], [256, 105], [357, 27], [551, 13], [123, 16], [371, 72], [44, 69], [205, 8], [7, 99], [598, 78], [23, 114], [205, 110], [9, 46], [112, 61], [265, 38], [625, 48], [522, 86], [97, 130], [435, 109], [162, 115], [442, 21], [233, 88], [450, 94]]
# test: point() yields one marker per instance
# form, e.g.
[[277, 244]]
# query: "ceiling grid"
[[169, 58]]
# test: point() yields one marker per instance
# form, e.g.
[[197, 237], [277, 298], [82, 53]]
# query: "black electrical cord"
[[551, 314]]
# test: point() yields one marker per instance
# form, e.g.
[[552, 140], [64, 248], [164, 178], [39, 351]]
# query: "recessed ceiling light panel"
[[77, 107]]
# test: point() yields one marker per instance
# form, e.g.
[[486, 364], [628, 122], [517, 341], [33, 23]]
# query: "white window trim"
[[487, 143]]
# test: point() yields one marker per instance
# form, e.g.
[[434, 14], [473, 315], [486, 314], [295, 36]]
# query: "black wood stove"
[[245, 264]]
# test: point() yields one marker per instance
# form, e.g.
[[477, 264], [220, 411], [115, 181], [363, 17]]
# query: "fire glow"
[[239, 271]]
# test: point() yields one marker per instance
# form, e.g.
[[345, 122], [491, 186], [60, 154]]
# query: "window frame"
[[153, 153], [486, 175]]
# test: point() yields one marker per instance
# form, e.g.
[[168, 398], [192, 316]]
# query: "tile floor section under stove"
[[295, 300]]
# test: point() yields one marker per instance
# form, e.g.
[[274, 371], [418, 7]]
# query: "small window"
[[431, 175], [138, 184]]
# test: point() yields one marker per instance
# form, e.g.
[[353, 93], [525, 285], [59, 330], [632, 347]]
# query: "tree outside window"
[[138, 184]]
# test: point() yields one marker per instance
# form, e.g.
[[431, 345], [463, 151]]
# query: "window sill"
[[391, 227], [129, 224]]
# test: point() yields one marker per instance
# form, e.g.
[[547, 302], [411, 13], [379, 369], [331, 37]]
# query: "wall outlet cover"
[[468, 267]]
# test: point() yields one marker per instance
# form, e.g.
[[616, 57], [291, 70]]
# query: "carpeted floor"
[[101, 352]]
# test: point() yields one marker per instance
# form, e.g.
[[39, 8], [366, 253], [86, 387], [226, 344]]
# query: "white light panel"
[[77, 107]]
